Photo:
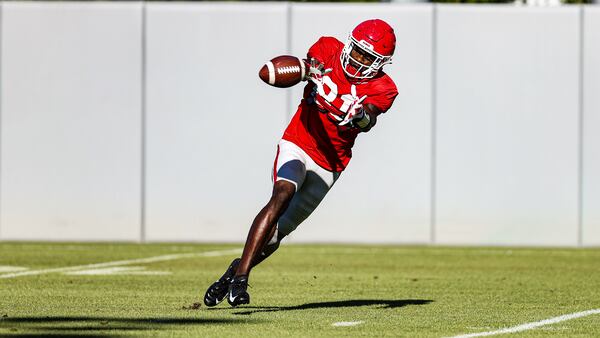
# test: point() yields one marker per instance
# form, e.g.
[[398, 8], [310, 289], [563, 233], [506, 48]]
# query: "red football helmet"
[[375, 40]]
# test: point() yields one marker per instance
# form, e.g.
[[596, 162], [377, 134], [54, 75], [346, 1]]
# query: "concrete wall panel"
[[493, 156], [212, 124], [591, 127], [71, 84], [507, 125]]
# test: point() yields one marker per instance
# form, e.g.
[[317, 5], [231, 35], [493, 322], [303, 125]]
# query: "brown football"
[[283, 71]]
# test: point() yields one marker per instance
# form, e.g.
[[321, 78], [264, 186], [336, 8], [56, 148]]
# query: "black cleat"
[[219, 289], [238, 293]]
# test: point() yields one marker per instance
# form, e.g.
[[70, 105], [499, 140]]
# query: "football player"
[[347, 89]]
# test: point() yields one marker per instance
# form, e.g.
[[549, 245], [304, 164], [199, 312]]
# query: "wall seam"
[[288, 47], [581, 112], [1, 109], [143, 128], [433, 192]]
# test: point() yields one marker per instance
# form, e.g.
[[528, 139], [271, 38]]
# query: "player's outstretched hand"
[[316, 71], [355, 110]]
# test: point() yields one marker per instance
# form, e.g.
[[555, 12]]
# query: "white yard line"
[[118, 270], [347, 323], [533, 325], [8, 268], [123, 262]]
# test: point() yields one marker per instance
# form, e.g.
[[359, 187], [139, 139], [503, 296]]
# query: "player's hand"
[[316, 71], [355, 111]]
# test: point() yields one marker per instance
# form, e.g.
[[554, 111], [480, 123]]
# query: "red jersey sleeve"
[[324, 48], [386, 93]]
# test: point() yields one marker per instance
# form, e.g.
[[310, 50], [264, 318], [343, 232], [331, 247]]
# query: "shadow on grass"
[[77, 326], [381, 303], [37, 335]]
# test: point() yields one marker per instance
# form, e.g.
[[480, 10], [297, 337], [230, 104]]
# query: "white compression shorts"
[[312, 183]]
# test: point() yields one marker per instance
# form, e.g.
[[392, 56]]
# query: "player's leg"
[[316, 185], [312, 184], [263, 239], [317, 182], [272, 245], [264, 224], [288, 174], [219, 289]]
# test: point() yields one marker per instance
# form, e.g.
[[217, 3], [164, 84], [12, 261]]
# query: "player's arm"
[[314, 62], [374, 106], [359, 115], [369, 118], [315, 70]]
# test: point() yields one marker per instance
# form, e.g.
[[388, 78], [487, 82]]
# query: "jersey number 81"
[[347, 99]]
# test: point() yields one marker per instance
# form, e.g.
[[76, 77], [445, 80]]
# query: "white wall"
[[507, 125], [482, 145], [591, 130], [70, 148], [212, 124]]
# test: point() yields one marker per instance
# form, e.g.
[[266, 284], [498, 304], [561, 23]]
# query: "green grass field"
[[302, 290]]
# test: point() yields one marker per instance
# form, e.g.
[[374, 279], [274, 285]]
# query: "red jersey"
[[313, 128]]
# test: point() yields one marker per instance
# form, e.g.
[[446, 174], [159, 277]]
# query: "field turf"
[[400, 291]]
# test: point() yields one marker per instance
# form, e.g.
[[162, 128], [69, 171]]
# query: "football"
[[283, 71]]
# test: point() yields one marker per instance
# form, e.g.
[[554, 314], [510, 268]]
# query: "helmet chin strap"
[[360, 72]]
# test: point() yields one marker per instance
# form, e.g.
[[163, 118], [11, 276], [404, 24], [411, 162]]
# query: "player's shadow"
[[74, 326], [381, 303]]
